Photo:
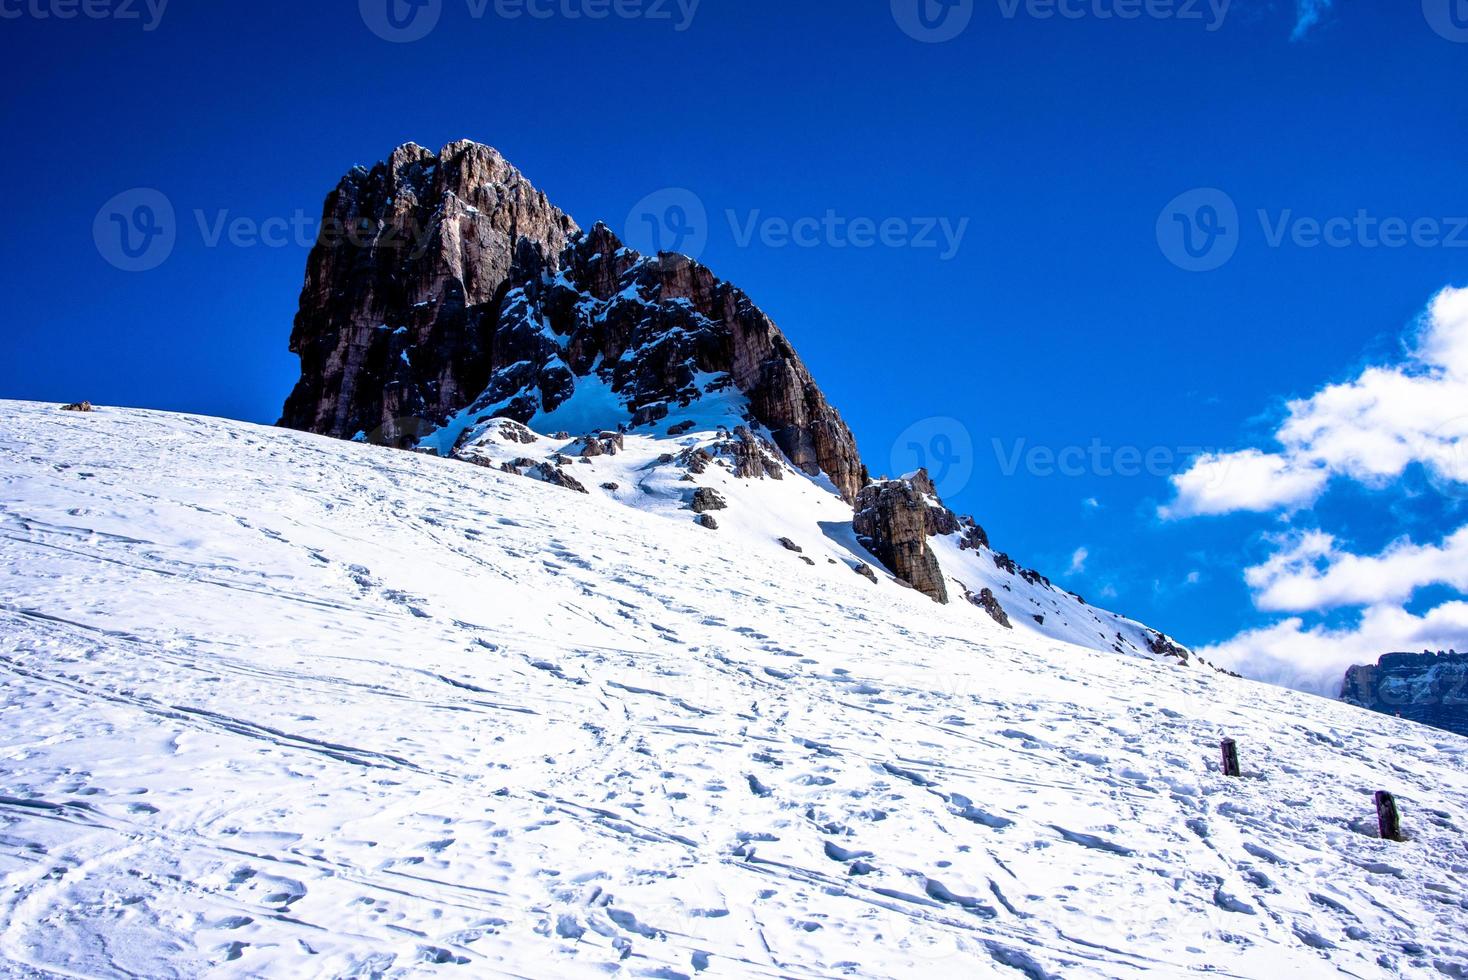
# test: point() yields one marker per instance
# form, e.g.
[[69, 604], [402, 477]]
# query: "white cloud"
[[1244, 481], [1307, 15], [1091, 503], [1078, 560], [1311, 573], [1369, 430], [1316, 659]]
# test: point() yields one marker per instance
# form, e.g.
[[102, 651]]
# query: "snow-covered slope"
[[712, 443], [275, 704]]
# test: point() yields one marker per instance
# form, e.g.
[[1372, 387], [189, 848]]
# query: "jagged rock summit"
[[450, 307], [405, 285], [475, 298]]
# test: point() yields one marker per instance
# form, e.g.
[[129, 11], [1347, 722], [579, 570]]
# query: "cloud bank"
[[1369, 431], [1315, 659]]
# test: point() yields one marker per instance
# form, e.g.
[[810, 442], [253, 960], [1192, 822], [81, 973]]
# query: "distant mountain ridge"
[[461, 312], [1430, 688]]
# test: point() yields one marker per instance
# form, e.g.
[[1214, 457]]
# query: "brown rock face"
[[892, 523], [986, 601], [473, 292], [404, 285]]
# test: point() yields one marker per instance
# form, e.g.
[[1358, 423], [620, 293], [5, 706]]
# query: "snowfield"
[[277, 705]]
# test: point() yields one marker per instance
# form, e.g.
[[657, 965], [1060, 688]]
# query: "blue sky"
[[1069, 259]]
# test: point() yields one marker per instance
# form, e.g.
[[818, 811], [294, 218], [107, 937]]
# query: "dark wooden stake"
[[1387, 816], [1231, 758]]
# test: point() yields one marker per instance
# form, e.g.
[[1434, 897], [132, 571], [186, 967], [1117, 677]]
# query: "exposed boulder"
[[892, 523], [695, 460], [707, 520], [545, 472], [603, 444], [791, 546], [512, 431], [554, 475], [752, 457], [865, 571], [974, 537], [648, 414], [77, 407], [1165, 646], [985, 600], [705, 500]]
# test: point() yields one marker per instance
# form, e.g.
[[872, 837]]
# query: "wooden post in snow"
[[1388, 818], [1231, 758]]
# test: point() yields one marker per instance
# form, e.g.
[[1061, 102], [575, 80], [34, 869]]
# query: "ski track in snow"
[[278, 705]]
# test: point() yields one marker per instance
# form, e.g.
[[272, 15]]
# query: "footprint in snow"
[[844, 856], [1092, 841]]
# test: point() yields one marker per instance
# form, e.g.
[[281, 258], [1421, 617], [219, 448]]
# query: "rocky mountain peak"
[[456, 310], [404, 285], [472, 296]]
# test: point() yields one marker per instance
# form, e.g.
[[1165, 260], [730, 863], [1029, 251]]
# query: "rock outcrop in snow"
[[469, 317], [892, 523], [405, 285], [477, 295]]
